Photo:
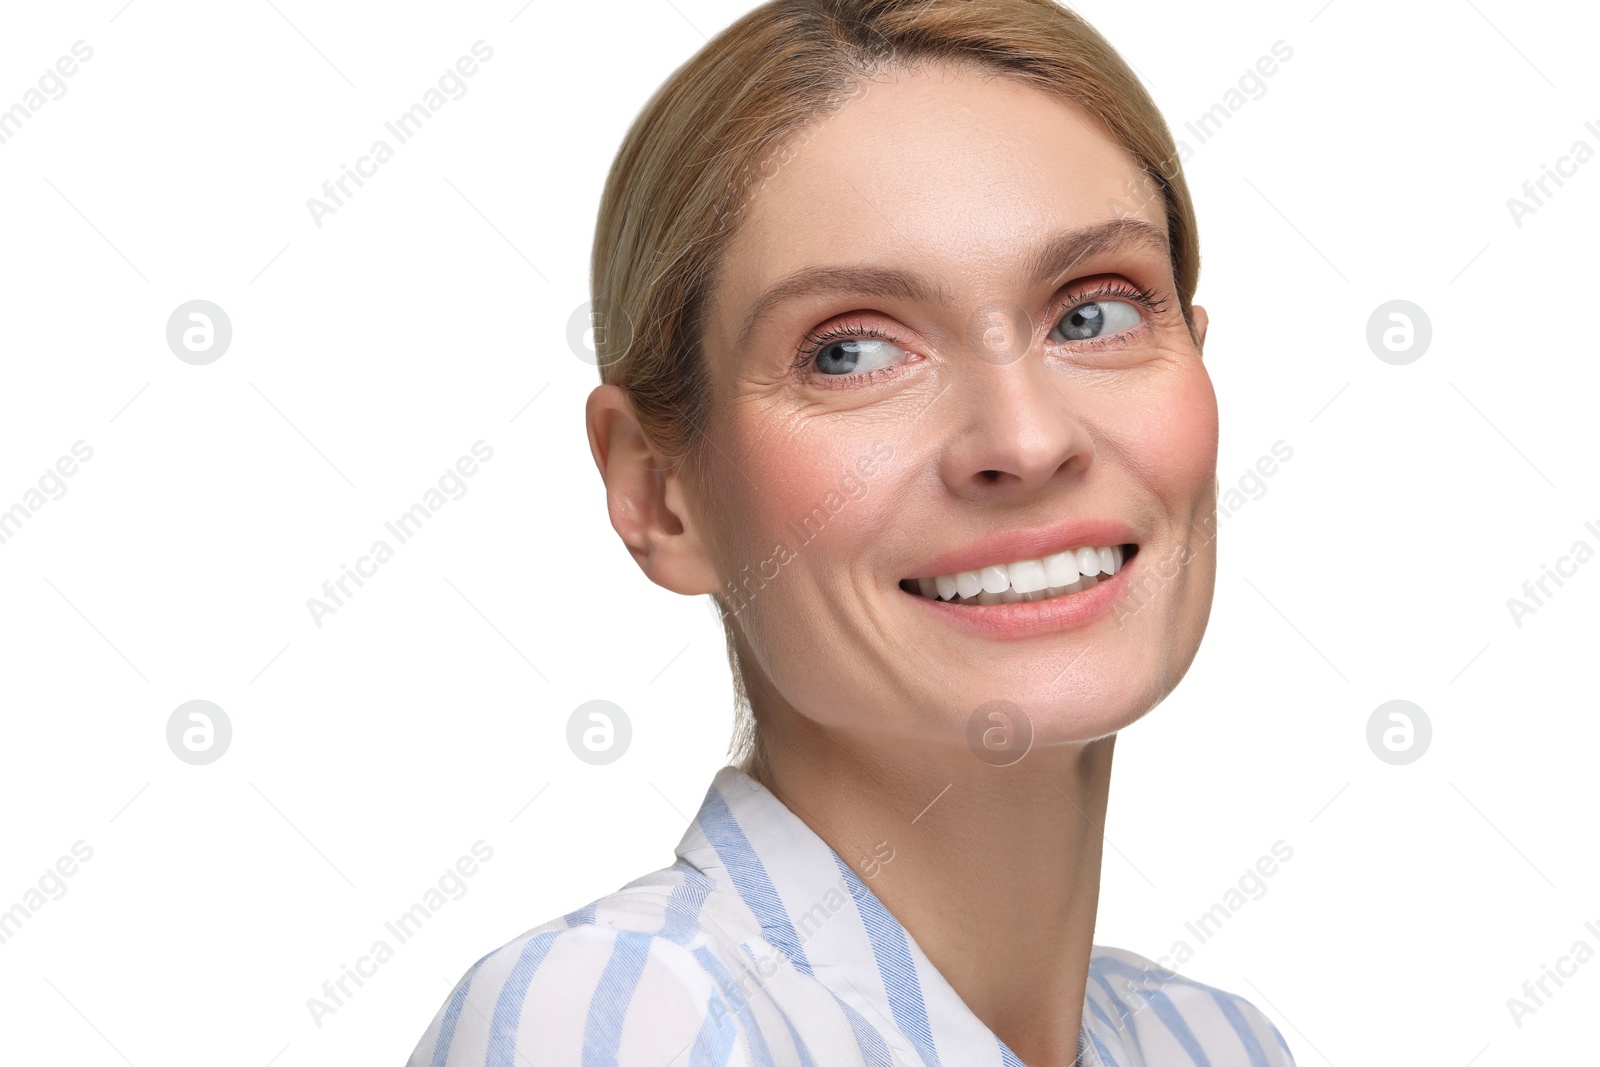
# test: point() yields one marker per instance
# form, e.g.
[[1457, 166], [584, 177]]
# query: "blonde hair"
[[719, 124]]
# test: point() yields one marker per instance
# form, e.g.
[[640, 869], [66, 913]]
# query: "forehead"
[[949, 173]]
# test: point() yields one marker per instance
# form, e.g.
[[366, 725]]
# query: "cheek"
[[820, 494], [1170, 436]]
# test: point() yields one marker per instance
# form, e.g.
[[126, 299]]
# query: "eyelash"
[[845, 331]]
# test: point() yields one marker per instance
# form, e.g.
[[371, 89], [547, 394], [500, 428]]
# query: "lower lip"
[[1029, 618]]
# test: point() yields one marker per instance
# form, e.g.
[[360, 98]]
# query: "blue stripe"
[[684, 904], [1116, 1027], [741, 1006], [715, 1039], [1105, 1054], [508, 1008], [1094, 972], [874, 1050], [452, 1013], [1166, 1011], [1247, 1036], [751, 882], [899, 974], [1100, 1013], [750, 877], [794, 1035], [608, 1006], [1281, 1042], [683, 908]]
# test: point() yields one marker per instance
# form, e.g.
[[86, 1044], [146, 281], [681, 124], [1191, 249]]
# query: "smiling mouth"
[[1060, 574]]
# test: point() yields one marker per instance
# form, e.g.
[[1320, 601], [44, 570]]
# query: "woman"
[[900, 366]]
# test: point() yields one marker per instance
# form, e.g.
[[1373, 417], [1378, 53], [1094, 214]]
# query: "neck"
[[994, 871]]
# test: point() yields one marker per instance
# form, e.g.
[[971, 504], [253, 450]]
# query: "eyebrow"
[[1056, 256]]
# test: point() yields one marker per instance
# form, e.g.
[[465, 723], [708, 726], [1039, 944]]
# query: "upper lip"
[[1010, 546]]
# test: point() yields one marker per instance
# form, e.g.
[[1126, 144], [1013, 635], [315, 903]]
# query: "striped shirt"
[[759, 947]]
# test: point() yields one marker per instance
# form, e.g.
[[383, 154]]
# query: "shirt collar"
[[776, 875]]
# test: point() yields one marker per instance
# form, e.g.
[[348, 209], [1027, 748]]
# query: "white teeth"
[[1062, 573], [995, 579], [1061, 568], [1027, 576]]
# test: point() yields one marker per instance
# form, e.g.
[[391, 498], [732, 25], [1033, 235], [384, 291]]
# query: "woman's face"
[[984, 364]]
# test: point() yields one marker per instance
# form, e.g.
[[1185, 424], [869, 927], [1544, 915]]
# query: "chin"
[[1103, 692]]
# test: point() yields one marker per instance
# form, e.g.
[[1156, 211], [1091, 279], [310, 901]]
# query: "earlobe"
[[644, 497], [1201, 319]]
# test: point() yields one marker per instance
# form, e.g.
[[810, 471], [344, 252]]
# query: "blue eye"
[[1091, 319], [844, 357], [1098, 318], [838, 353]]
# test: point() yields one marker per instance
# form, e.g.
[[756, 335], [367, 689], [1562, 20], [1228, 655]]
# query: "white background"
[[431, 312]]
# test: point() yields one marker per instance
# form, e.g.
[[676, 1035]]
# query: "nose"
[[1013, 428]]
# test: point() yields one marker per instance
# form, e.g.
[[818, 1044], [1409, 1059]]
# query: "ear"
[[1200, 321], [647, 501]]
